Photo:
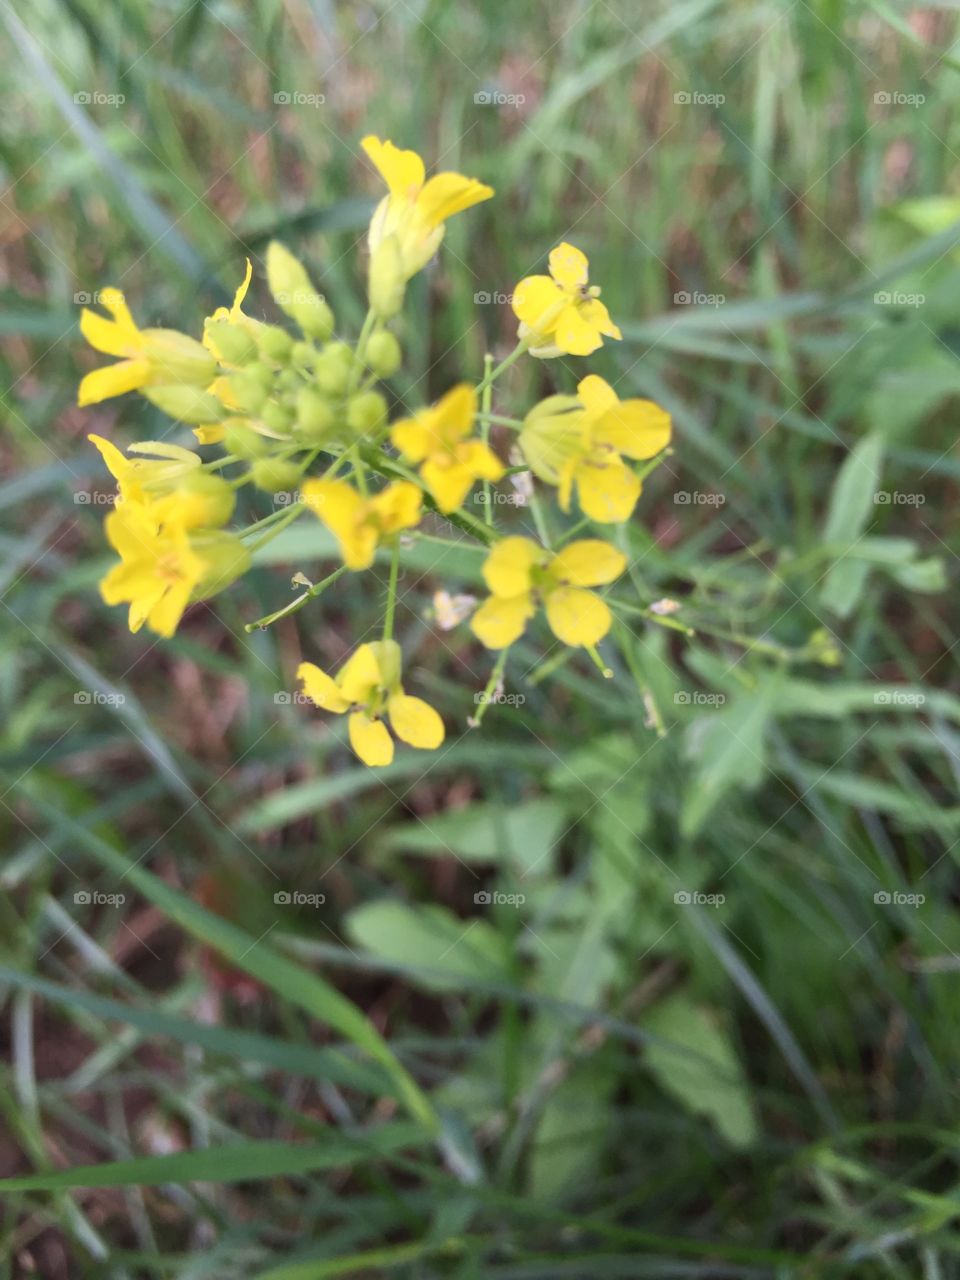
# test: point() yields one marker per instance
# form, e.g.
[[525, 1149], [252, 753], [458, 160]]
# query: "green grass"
[[599, 1081]]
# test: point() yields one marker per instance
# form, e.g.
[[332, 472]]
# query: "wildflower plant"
[[303, 411]]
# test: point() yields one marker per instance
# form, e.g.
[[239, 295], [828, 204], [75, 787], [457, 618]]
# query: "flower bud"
[[248, 389], [366, 412], [304, 354], [294, 293], [315, 415], [274, 474], [203, 501], [186, 404], [231, 342], [176, 358], [389, 659], [277, 417], [333, 368], [551, 434], [275, 343], [243, 442], [225, 559], [383, 354], [386, 281]]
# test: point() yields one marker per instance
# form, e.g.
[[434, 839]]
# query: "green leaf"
[[700, 1067], [432, 938], [851, 506]]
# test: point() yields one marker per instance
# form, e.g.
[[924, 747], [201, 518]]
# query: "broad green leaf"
[[433, 938]]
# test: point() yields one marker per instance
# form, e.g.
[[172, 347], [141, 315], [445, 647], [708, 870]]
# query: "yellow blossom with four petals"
[[368, 688], [360, 524], [436, 438], [521, 574], [561, 314]]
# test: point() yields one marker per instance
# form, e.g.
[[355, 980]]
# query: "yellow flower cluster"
[[303, 414]]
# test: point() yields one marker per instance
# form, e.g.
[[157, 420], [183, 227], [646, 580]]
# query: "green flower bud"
[[304, 354], [289, 380], [383, 354], [206, 501], [274, 474], [389, 659], [231, 342], [186, 404], [334, 367], [275, 343], [243, 442], [248, 389], [552, 433], [386, 281], [176, 358], [278, 417], [225, 559], [366, 412], [294, 293], [315, 415]]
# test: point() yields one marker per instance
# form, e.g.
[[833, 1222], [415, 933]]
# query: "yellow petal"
[[590, 562], [415, 722], [607, 490], [638, 428], [164, 617], [455, 412], [341, 509], [118, 466], [482, 462], [212, 434], [398, 506], [569, 267], [359, 676], [370, 740], [108, 336], [113, 380], [597, 315], [241, 293], [573, 334], [596, 395], [577, 616], [449, 193], [506, 569], [498, 622], [321, 688], [402, 171], [535, 301], [449, 483], [413, 438]]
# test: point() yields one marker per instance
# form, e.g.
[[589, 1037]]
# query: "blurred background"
[[675, 955]]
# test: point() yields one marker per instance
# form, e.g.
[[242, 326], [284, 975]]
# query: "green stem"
[[356, 373], [285, 518], [486, 397], [490, 378], [498, 419], [392, 590], [495, 677], [296, 605]]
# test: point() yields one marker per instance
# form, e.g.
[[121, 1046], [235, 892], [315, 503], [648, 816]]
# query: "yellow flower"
[[162, 568], [173, 480], [577, 443], [360, 524], [521, 574], [232, 315], [415, 209], [369, 688], [151, 357], [436, 438], [560, 313]]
